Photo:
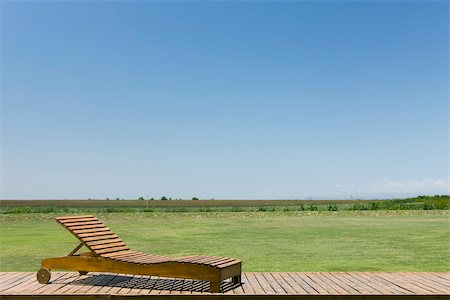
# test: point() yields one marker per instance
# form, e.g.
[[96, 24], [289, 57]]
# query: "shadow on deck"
[[161, 284]]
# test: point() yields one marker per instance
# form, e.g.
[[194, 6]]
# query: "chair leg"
[[214, 287], [236, 279]]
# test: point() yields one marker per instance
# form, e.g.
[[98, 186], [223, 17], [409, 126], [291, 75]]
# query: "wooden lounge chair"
[[108, 253]]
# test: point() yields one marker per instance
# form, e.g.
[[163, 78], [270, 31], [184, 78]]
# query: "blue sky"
[[224, 100]]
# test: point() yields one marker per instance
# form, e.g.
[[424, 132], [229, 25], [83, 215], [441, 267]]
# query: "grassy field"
[[130, 206], [265, 241]]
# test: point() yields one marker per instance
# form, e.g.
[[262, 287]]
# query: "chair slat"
[[114, 255], [98, 238], [104, 246], [74, 217], [109, 250], [102, 242], [87, 227], [233, 262], [77, 224], [79, 220], [92, 234], [80, 231]]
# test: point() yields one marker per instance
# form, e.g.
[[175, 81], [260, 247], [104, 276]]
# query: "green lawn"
[[265, 241]]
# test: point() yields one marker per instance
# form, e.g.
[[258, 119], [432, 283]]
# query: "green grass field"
[[437, 202], [265, 241]]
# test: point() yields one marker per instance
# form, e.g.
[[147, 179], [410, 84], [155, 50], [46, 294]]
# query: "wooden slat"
[[99, 238], [372, 281], [340, 284], [264, 284], [54, 287], [331, 283], [285, 285], [102, 242], [246, 286], [78, 221], [399, 279], [224, 265], [362, 285], [256, 287], [303, 278], [139, 257], [109, 245], [115, 254], [131, 257], [105, 281], [28, 280], [113, 249], [89, 226], [82, 231], [188, 259], [384, 282], [316, 278], [344, 282], [205, 259], [359, 285], [424, 282], [15, 280], [74, 217], [92, 234], [293, 284], [435, 278], [221, 261], [273, 283], [57, 277], [74, 224]]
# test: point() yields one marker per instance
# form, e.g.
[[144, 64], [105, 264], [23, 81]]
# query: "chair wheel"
[[43, 275], [83, 272]]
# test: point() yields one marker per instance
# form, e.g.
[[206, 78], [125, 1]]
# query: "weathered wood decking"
[[273, 285]]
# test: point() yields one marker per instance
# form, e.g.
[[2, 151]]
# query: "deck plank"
[[272, 285], [339, 290], [18, 284], [302, 283], [396, 288], [257, 288], [341, 282], [293, 284], [264, 283], [360, 284], [313, 283], [283, 284], [371, 281], [435, 278], [246, 286], [404, 283], [432, 286], [56, 284]]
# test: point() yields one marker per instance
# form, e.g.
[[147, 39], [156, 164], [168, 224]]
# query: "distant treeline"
[[437, 202]]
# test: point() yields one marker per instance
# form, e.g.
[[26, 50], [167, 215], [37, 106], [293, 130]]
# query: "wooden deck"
[[273, 285]]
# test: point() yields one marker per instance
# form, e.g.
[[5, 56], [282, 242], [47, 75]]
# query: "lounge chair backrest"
[[94, 234]]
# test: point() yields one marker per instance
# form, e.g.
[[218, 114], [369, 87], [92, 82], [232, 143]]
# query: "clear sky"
[[224, 100]]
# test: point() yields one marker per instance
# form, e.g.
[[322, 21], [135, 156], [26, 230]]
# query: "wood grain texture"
[[108, 253], [269, 285]]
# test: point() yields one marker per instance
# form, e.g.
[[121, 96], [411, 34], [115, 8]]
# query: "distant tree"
[[152, 198], [194, 198], [117, 199], [141, 198], [170, 198], [107, 198], [163, 198]]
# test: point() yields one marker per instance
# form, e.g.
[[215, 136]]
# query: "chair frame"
[[92, 262]]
